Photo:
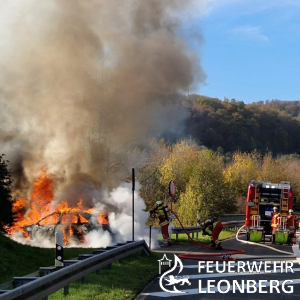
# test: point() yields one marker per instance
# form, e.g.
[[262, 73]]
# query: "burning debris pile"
[[41, 216]]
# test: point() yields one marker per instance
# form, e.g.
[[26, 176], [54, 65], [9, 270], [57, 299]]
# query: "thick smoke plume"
[[82, 83]]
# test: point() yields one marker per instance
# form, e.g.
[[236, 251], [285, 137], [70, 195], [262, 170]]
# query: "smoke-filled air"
[[83, 84]]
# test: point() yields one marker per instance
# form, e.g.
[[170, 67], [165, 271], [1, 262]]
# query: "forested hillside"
[[225, 145], [231, 125]]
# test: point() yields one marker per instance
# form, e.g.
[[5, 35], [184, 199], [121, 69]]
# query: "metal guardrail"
[[42, 287], [232, 217], [196, 229]]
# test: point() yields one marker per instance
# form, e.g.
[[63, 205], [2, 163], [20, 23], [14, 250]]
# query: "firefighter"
[[292, 225], [214, 232], [275, 222], [162, 212]]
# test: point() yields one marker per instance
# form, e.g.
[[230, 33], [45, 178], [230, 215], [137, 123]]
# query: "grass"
[[183, 238], [123, 281], [20, 260]]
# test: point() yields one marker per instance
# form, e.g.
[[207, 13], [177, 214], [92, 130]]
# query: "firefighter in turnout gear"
[[214, 232], [292, 225], [162, 213], [275, 222]]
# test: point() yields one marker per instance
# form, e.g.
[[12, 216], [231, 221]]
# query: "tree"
[[243, 168], [6, 216], [206, 193], [178, 166]]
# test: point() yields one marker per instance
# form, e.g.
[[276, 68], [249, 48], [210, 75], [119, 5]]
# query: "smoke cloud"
[[83, 83]]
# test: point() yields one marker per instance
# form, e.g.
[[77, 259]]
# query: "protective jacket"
[[214, 232], [292, 222], [163, 215], [275, 221], [208, 227]]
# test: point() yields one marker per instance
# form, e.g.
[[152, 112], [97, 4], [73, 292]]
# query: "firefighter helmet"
[[291, 211], [158, 203], [275, 208]]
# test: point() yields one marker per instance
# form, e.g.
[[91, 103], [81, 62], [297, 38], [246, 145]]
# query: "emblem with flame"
[[173, 280]]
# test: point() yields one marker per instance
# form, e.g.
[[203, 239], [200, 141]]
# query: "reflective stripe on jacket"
[[275, 220], [161, 216]]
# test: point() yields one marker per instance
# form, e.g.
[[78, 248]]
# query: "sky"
[[250, 50]]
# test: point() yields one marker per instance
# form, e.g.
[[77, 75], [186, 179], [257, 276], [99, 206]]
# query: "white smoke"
[[120, 222]]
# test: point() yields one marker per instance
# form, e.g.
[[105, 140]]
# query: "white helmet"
[[291, 211], [275, 208], [158, 203]]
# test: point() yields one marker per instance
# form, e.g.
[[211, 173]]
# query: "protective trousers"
[[165, 233], [216, 232]]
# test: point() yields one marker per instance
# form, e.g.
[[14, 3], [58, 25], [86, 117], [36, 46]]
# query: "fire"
[[102, 219], [41, 196], [39, 210]]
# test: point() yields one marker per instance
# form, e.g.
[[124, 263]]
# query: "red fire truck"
[[262, 197]]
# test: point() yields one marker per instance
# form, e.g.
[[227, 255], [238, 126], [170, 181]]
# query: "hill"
[[231, 125]]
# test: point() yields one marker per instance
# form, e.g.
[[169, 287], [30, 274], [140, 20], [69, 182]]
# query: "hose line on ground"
[[207, 256], [262, 245]]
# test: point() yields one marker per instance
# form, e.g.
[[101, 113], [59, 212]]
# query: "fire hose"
[[224, 256], [288, 254], [207, 256]]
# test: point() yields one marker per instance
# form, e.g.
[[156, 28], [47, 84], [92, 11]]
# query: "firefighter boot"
[[273, 238], [212, 244], [289, 242], [219, 247]]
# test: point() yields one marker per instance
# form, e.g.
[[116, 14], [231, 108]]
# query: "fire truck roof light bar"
[[268, 184]]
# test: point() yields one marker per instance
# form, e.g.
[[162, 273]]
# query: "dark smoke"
[[83, 82]]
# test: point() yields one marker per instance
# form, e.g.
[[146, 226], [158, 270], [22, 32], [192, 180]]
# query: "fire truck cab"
[[261, 198]]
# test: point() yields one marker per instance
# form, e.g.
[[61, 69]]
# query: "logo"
[[171, 279]]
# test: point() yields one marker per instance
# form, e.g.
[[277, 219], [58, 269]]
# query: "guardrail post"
[[66, 290], [59, 252]]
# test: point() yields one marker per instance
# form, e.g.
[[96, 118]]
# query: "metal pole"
[[150, 236], [133, 188], [59, 252]]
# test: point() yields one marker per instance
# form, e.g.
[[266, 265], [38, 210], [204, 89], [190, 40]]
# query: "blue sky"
[[251, 49]]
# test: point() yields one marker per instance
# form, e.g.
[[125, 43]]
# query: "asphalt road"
[[276, 276]]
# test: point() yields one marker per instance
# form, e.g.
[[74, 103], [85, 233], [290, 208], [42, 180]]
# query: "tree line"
[[232, 125], [207, 184]]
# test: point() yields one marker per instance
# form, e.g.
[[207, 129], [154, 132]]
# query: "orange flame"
[[40, 205]]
